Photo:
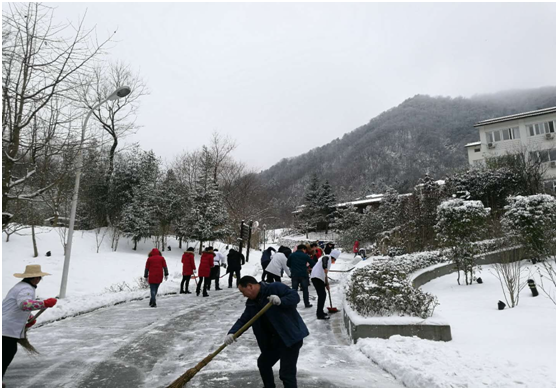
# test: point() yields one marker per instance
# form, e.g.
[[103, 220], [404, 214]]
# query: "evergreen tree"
[[325, 203], [139, 215], [208, 216]]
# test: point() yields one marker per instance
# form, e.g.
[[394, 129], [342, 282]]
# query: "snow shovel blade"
[[332, 309]]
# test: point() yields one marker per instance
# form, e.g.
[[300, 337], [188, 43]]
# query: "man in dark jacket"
[[234, 266], [266, 259], [279, 332], [298, 263]]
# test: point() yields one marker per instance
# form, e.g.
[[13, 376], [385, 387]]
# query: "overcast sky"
[[283, 78]]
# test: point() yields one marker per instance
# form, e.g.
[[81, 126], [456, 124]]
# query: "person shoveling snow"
[[19, 301]]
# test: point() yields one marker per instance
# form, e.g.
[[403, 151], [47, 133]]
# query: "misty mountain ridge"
[[423, 134]]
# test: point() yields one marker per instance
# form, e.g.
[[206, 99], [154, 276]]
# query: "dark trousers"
[[9, 349], [264, 266], [237, 273], [185, 283], [154, 287], [304, 281], [319, 285], [273, 278], [216, 274], [205, 281], [288, 357]]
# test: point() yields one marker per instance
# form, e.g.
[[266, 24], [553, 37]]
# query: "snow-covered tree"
[[208, 215], [138, 215], [459, 224], [531, 221], [347, 223]]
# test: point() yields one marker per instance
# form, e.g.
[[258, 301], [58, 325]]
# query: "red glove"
[[30, 324], [50, 302]]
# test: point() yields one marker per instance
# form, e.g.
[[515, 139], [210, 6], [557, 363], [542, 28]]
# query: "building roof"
[[516, 116], [473, 144]]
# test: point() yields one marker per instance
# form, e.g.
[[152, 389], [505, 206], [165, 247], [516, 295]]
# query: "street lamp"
[[119, 93]]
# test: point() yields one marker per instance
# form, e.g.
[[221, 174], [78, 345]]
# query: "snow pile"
[[490, 348]]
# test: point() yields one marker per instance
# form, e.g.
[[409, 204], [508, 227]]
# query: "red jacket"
[[206, 263], [319, 252], [155, 266], [355, 247], [188, 265]]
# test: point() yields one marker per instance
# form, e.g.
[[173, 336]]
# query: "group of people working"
[[301, 267]]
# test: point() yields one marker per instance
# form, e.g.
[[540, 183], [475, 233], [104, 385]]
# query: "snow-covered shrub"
[[393, 251], [531, 221], [460, 223], [383, 288]]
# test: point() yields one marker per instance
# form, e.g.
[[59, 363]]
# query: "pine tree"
[[208, 216], [139, 215], [325, 203]]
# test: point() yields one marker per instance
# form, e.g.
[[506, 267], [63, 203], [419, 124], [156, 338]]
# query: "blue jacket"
[[297, 263], [284, 318]]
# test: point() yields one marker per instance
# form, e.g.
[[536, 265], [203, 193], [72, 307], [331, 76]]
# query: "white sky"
[[284, 78]]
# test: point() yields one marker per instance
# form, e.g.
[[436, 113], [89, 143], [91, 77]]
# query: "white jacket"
[[278, 262], [218, 259], [14, 318], [323, 263]]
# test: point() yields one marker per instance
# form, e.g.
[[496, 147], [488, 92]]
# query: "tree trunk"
[[180, 243], [35, 251], [201, 245], [135, 244], [7, 237]]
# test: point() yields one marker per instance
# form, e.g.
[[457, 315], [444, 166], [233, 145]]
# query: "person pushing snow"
[[279, 331], [16, 308]]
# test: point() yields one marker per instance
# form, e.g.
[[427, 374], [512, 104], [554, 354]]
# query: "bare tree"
[[41, 66], [509, 272], [547, 272], [220, 149], [117, 117]]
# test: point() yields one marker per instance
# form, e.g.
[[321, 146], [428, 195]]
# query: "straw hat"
[[32, 271]]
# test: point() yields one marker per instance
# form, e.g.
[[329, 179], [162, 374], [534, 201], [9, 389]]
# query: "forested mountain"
[[423, 134]]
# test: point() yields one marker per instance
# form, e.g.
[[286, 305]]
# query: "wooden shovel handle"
[[36, 315]]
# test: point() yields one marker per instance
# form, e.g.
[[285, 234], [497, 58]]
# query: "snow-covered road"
[[133, 345]]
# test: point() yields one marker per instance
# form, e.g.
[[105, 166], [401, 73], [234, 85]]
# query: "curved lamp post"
[[119, 93]]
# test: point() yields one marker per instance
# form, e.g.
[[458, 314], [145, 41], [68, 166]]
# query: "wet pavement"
[[133, 345]]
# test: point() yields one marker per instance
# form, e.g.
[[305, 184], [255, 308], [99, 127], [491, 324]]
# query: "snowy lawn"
[[490, 348], [92, 274]]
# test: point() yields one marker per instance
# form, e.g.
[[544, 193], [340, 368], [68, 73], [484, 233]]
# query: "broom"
[[188, 375], [24, 342], [330, 309]]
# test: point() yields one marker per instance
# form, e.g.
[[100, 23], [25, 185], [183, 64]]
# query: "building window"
[[543, 155], [541, 128], [477, 150], [503, 134]]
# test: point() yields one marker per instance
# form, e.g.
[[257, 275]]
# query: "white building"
[[532, 133]]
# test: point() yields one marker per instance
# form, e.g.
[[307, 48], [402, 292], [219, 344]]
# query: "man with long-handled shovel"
[[17, 305], [279, 331]]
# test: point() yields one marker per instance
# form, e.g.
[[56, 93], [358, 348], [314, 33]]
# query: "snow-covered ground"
[[91, 274], [123, 345], [490, 348]]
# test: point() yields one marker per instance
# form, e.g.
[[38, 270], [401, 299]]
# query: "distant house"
[[532, 132]]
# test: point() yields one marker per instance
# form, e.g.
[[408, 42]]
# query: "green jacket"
[[297, 263]]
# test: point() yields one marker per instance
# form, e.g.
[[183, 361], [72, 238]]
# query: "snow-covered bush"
[[531, 221], [460, 223], [383, 288]]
